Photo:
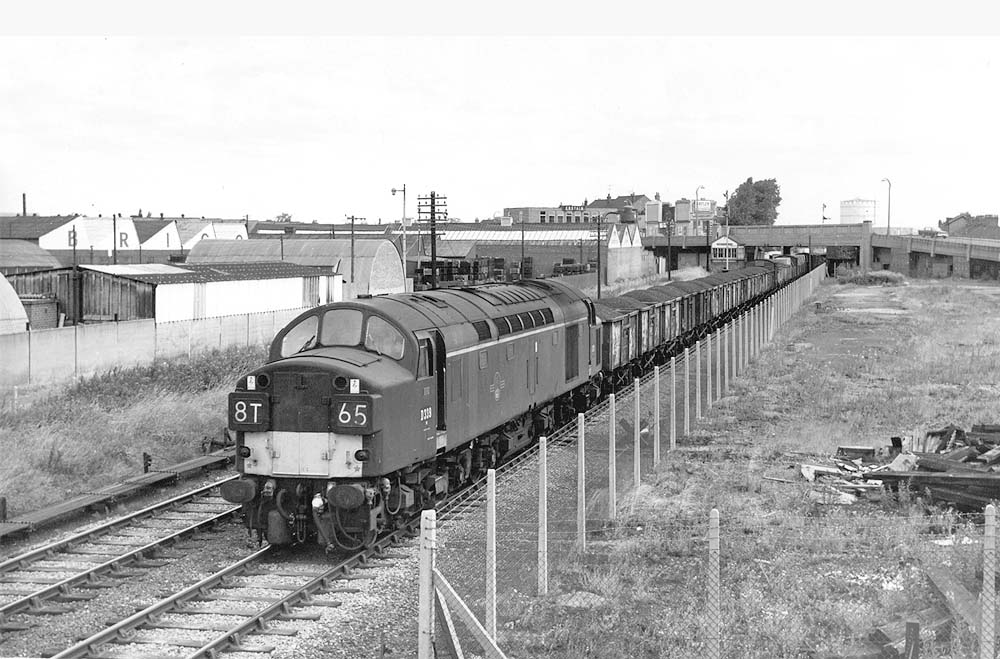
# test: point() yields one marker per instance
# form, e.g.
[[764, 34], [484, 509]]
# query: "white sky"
[[324, 126]]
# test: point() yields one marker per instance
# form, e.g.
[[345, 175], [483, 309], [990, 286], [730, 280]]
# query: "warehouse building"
[[369, 267]]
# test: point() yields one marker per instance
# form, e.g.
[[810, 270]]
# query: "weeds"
[[798, 578], [95, 431]]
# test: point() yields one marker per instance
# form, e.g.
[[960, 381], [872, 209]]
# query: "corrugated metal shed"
[[24, 256], [158, 273], [13, 317], [137, 291], [377, 267]]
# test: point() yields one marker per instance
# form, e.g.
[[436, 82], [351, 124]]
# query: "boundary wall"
[[51, 356]]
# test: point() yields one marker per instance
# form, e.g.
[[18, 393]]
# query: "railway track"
[[221, 612], [50, 579]]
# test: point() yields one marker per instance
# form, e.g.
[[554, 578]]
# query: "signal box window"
[[341, 327], [383, 338], [301, 337]]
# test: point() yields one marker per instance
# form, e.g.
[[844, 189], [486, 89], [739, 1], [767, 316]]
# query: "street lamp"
[[708, 244], [520, 269], [888, 214], [403, 222], [600, 220]]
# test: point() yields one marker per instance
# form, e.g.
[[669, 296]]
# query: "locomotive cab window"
[[383, 338], [425, 363], [301, 337], [341, 327]]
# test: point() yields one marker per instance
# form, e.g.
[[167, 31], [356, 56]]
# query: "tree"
[[754, 202], [283, 217]]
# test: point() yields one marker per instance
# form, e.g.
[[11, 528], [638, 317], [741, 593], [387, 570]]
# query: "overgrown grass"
[[798, 577], [870, 278], [94, 432]]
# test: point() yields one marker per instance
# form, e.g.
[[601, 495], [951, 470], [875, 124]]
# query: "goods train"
[[369, 410]]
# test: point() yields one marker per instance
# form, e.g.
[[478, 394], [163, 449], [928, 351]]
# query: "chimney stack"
[[24, 204]]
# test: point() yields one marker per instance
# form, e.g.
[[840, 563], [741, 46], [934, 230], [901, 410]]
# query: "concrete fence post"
[[708, 371], [673, 403], [687, 391], [581, 485], [726, 332], [656, 416], [425, 611], [746, 340], [543, 518], [697, 379], [718, 364], [636, 436], [612, 467], [491, 554], [987, 621], [756, 331], [714, 596], [737, 347]]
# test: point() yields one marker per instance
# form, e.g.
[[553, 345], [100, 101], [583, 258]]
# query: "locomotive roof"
[[471, 314]]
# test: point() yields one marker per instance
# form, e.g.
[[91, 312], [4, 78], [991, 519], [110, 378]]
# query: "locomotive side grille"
[[482, 329]]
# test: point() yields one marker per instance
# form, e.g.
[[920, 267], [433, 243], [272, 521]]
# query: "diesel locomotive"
[[370, 409]]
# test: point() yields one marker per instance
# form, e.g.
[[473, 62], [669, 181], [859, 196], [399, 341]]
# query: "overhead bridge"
[[916, 256]]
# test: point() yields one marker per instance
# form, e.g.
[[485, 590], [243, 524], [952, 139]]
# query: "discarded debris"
[[952, 465]]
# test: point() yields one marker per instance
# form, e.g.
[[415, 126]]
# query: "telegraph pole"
[[352, 218], [434, 206]]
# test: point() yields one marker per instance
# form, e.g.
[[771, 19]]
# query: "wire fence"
[[573, 534]]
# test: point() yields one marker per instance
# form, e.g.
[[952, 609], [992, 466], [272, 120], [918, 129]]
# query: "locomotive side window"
[[383, 338], [301, 337], [483, 359], [341, 327]]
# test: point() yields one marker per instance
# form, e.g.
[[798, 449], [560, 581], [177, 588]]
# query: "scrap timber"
[[950, 466]]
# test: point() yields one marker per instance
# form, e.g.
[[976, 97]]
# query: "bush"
[[872, 278]]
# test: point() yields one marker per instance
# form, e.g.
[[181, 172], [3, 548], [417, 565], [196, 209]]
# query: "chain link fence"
[[770, 587]]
